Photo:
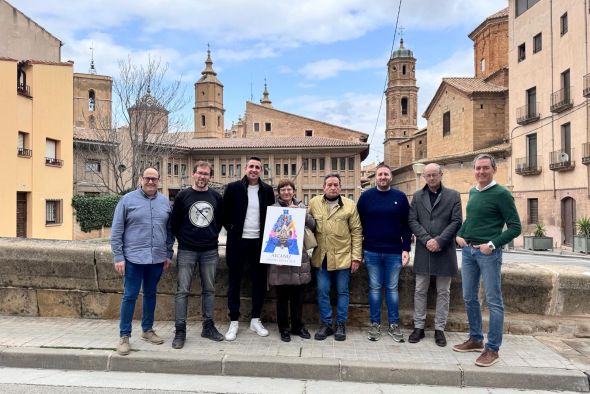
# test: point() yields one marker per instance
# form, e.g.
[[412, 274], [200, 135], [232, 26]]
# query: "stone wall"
[[77, 279]]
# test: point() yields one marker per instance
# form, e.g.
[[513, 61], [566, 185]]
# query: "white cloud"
[[275, 25], [329, 68]]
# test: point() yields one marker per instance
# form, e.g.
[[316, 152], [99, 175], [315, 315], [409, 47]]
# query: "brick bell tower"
[[209, 111], [402, 107]]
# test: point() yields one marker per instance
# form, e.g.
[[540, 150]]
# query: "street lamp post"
[[418, 170]]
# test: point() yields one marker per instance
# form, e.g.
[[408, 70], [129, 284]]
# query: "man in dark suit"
[[435, 218], [244, 213]]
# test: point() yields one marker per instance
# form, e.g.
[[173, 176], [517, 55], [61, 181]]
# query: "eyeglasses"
[[150, 179], [201, 173], [431, 175]]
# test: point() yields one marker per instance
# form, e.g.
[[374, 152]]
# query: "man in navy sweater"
[[386, 248]]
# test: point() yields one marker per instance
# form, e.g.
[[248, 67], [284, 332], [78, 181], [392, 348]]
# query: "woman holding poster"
[[289, 280]]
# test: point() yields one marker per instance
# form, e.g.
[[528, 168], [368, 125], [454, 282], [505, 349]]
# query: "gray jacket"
[[440, 221], [290, 275]]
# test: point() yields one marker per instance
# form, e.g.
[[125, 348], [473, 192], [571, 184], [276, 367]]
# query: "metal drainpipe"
[[586, 10], [552, 70]]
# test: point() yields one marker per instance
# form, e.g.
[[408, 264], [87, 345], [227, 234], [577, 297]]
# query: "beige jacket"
[[339, 233]]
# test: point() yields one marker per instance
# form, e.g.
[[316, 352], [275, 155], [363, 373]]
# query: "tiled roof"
[[188, 141], [90, 135], [500, 14], [474, 85]]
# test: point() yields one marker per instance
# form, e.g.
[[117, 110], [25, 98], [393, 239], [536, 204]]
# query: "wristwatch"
[[491, 245]]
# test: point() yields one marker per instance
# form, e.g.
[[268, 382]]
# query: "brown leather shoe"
[[470, 345], [487, 358]]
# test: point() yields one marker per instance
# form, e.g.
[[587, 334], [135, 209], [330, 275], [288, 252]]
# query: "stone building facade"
[[549, 114], [291, 146], [466, 116]]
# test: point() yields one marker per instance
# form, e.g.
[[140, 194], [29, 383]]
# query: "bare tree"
[[143, 129]]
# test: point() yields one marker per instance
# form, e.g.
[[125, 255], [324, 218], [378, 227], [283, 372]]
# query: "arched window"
[[218, 121], [202, 120], [404, 69], [91, 100], [404, 104]]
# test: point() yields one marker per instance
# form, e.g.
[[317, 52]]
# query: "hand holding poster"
[[282, 240]]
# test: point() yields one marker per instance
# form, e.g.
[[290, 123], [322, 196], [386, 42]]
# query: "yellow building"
[[549, 114], [36, 130], [35, 118]]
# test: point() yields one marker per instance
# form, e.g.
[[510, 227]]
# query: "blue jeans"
[[325, 279], [476, 265], [187, 261], [135, 275], [383, 269]]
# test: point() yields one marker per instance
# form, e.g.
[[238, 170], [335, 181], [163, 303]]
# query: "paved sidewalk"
[[527, 362]]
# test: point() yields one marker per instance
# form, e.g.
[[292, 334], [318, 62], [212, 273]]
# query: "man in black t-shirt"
[[196, 222]]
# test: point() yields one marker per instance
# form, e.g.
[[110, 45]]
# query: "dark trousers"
[[249, 254], [289, 297]]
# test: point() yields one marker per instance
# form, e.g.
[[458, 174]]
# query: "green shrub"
[[583, 225], [94, 213], [539, 230]]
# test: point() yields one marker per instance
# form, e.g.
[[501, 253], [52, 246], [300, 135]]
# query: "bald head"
[[433, 176]]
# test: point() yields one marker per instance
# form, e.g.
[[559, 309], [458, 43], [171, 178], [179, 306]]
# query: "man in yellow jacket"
[[339, 252]]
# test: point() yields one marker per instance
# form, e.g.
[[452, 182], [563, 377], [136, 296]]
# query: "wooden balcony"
[[527, 166], [527, 114], [562, 160]]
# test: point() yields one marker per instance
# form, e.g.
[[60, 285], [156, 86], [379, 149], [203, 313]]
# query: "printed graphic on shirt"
[[201, 214]]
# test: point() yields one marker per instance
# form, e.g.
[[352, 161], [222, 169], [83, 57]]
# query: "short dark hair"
[[202, 163], [332, 175], [483, 156], [285, 182], [255, 158], [383, 165]]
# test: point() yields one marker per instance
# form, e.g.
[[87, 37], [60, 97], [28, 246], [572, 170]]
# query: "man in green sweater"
[[489, 208]]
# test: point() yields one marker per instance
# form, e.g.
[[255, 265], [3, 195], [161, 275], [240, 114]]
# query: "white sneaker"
[[232, 331], [258, 328]]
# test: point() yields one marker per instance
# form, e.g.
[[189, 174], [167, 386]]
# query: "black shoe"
[[439, 338], [210, 332], [416, 335], [340, 334], [179, 338], [285, 335], [323, 332], [302, 332]]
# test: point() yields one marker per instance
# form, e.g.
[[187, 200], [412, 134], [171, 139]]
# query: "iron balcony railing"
[[586, 153], [587, 85], [24, 152], [529, 165], [52, 161], [561, 100], [562, 160], [527, 114], [22, 89]]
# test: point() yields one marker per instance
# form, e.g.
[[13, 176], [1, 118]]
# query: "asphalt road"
[[44, 381]]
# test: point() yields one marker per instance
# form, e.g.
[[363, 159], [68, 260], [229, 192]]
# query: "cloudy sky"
[[325, 59]]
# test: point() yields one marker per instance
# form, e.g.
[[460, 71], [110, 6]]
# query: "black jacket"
[[441, 222], [235, 204]]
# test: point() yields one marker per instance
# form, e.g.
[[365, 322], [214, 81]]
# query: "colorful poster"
[[282, 240]]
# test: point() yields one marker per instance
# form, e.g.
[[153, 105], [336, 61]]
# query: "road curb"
[[526, 378], [296, 368]]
